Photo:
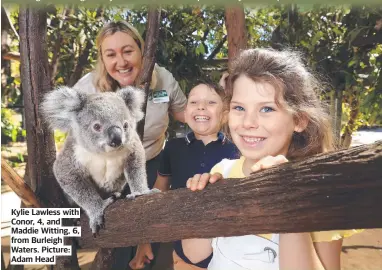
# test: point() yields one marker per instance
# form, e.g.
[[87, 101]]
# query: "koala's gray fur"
[[103, 151]]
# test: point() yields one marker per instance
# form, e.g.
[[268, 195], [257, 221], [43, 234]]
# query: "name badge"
[[160, 96]]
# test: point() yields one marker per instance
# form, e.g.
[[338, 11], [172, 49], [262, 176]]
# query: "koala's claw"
[[154, 190], [117, 195], [133, 195]]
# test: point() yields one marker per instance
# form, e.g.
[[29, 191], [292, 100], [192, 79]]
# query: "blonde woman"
[[120, 50]]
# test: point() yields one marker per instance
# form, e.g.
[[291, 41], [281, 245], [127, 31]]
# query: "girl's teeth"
[[252, 139], [202, 118]]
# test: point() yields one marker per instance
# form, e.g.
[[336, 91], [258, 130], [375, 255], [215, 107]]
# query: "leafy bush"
[[10, 126]]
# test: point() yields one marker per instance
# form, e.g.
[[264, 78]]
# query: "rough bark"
[[40, 142], [346, 137], [236, 31], [5, 63], [339, 190], [336, 112], [149, 58]]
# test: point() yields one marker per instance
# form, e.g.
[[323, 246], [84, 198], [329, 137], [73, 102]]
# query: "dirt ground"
[[361, 251]]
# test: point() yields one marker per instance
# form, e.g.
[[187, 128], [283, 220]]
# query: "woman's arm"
[[297, 251], [196, 250], [162, 182], [179, 116]]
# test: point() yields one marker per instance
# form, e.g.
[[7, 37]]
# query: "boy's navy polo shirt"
[[182, 158]]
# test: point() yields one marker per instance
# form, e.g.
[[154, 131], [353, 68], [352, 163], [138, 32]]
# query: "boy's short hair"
[[212, 85]]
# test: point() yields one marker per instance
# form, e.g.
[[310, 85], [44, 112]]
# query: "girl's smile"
[[259, 126]]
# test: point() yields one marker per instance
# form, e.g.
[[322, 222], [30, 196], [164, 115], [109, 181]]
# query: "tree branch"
[[217, 48], [56, 49], [371, 39], [17, 184], [149, 53], [83, 58], [339, 190]]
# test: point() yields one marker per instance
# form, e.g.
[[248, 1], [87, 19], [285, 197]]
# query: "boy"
[[197, 153]]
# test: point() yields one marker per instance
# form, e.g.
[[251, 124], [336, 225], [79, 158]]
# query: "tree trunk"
[[236, 31], [346, 137], [107, 258], [336, 112], [149, 58], [339, 190], [40, 142], [5, 63]]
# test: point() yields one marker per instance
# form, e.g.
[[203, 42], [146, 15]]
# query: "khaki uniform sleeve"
[[178, 99], [167, 81]]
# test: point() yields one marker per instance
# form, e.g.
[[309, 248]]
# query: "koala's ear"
[[134, 98], [60, 106]]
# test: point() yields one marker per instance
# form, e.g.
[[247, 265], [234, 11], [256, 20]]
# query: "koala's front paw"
[[116, 195], [97, 219], [133, 195]]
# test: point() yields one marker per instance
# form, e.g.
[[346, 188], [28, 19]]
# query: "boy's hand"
[[200, 181], [143, 256], [268, 162]]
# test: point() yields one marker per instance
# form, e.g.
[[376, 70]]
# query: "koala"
[[102, 152]]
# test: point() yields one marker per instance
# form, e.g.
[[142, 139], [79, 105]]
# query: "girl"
[[274, 115]]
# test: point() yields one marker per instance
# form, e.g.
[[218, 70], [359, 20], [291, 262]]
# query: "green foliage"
[[59, 137], [189, 35], [10, 125]]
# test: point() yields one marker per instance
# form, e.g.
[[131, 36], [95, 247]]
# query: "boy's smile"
[[204, 112]]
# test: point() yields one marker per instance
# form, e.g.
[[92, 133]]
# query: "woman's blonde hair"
[[285, 71], [102, 80]]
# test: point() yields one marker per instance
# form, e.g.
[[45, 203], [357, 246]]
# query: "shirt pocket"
[[156, 120]]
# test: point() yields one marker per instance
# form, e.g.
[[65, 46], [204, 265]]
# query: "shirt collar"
[[190, 137]]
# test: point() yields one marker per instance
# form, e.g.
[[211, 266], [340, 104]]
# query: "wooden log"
[[17, 184], [338, 190]]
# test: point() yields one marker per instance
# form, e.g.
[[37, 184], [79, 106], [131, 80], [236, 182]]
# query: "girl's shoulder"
[[229, 168], [328, 236]]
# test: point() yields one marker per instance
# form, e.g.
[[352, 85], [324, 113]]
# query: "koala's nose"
[[115, 136]]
